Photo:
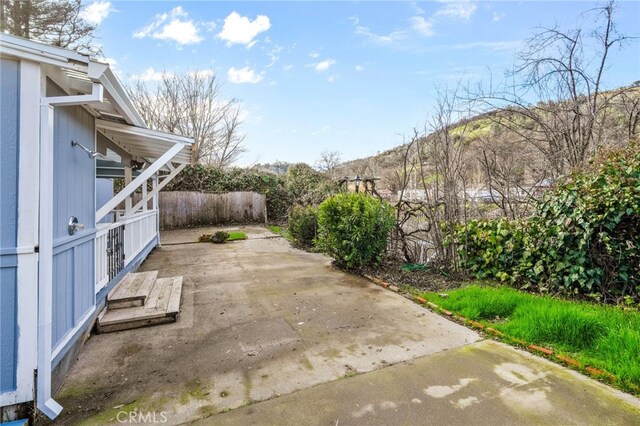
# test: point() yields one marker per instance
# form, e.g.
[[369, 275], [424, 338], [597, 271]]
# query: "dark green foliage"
[[306, 185], [491, 249], [303, 225], [583, 239], [353, 228]]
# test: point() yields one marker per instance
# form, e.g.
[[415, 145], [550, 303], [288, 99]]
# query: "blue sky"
[[343, 76]]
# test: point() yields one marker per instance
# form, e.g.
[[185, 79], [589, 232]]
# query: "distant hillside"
[[483, 133]]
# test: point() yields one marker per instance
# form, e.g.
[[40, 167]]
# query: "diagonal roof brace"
[[140, 180]]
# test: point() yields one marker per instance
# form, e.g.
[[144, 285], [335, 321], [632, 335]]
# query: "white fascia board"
[[37, 52], [144, 132], [68, 59], [101, 72]]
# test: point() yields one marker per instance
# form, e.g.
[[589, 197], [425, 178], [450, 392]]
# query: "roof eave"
[[103, 74]]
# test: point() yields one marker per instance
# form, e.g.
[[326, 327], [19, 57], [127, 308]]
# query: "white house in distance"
[[67, 128]]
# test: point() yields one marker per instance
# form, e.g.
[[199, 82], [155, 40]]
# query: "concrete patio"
[[261, 321]]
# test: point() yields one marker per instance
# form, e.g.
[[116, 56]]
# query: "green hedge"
[[353, 228], [584, 237], [303, 225]]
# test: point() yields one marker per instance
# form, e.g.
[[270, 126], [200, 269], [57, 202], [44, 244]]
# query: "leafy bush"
[[583, 239], [303, 225], [491, 249], [308, 186], [353, 228]]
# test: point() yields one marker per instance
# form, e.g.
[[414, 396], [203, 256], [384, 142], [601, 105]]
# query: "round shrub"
[[353, 228], [303, 225]]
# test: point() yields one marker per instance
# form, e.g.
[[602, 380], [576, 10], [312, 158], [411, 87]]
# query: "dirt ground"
[[259, 319]]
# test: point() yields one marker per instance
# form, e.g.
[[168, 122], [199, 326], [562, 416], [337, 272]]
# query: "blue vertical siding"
[[9, 137], [74, 195], [8, 325]]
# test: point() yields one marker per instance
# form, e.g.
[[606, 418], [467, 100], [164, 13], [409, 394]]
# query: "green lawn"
[[600, 336], [234, 236]]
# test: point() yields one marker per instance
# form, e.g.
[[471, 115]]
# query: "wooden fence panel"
[[180, 209]]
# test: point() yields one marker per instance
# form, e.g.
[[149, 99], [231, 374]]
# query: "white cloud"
[[239, 29], [417, 9], [380, 38], [274, 55], [333, 78], [359, 68], [377, 38], [175, 26], [421, 26], [314, 55], [243, 75], [498, 16], [97, 12], [182, 32], [151, 75], [323, 66], [458, 9], [287, 67]]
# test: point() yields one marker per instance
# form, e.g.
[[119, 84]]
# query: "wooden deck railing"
[[118, 243]]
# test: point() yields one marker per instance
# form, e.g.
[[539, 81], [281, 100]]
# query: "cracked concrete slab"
[[259, 319], [485, 383]]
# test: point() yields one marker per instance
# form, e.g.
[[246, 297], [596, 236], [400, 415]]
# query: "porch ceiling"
[[145, 143]]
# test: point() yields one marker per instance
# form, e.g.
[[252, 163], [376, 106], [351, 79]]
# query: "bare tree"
[[55, 22], [510, 172], [229, 145], [630, 105], [327, 162], [563, 70], [434, 160], [443, 171], [191, 104]]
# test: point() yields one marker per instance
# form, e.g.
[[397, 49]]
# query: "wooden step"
[[132, 291], [162, 306]]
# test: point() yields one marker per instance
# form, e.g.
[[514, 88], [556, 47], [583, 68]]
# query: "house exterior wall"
[[9, 157], [74, 195]]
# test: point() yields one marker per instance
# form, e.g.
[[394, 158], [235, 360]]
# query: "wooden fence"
[[179, 209]]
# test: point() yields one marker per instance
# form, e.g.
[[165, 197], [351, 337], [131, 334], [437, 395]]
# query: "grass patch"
[[235, 236], [280, 230], [601, 336], [275, 229]]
